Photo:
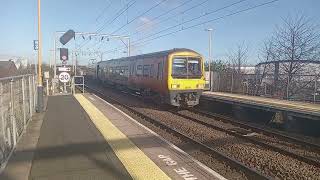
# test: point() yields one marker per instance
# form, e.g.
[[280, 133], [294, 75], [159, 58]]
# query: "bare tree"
[[292, 48], [295, 41], [263, 68], [237, 59]]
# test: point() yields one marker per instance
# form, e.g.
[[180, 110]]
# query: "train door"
[[97, 72], [133, 75], [160, 75]]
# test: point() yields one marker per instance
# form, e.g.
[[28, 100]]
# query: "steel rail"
[[255, 129], [252, 140]]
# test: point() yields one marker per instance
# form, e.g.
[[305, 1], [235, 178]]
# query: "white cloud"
[[146, 24]]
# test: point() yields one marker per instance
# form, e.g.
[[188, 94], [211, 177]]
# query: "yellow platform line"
[[134, 160]]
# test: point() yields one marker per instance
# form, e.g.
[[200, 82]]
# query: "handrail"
[[15, 77]]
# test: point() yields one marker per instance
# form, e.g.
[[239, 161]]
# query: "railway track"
[[248, 172], [248, 135], [254, 128]]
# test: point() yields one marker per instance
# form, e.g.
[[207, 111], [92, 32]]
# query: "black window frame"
[[139, 71], [160, 71], [146, 70], [151, 70]]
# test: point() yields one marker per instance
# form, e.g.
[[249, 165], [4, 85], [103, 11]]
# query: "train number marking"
[[168, 160], [183, 172]]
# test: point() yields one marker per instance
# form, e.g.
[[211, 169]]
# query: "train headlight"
[[175, 86], [200, 86]]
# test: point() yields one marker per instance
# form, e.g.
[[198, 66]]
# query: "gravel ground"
[[291, 147], [206, 159]]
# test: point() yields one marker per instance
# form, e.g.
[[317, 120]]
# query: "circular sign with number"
[[64, 77], [64, 58]]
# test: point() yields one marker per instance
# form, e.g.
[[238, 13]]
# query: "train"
[[174, 77]]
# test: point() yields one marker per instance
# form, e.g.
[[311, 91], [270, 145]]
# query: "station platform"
[[84, 137], [298, 108]]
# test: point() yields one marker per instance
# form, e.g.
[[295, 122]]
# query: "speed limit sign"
[[64, 58], [64, 77]]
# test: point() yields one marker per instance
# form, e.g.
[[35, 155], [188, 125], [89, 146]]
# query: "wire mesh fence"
[[296, 87], [17, 102]]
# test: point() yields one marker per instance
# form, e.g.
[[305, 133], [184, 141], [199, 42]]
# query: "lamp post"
[[210, 55], [39, 87]]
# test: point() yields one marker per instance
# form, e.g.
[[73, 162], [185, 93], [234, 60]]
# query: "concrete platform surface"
[[69, 147], [84, 137], [292, 106]]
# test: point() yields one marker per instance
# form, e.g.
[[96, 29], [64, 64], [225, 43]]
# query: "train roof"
[[154, 54]]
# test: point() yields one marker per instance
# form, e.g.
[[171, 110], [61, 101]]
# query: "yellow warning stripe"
[[134, 160]]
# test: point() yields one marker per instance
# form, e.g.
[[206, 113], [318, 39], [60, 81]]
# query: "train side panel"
[[152, 74]]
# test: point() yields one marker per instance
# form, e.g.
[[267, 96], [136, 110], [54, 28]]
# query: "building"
[[8, 68]]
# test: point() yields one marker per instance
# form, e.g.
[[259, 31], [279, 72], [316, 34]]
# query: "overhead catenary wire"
[[205, 22], [179, 13], [165, 13], [195, 6], [104, 10], [175, 15], [188, 9], [195, 18], [140, 15], [118, 14]]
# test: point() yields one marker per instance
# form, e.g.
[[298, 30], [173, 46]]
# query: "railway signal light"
[[64, 55], [35, 44], [67, 36]]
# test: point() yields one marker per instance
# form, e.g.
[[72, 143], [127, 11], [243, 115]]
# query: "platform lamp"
[[210, 55]]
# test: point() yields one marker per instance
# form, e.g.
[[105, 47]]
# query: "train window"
[[179, 67], [186, 67], [122, 71], [130, 69], [146, 70], [194, 67], [139, 70], [133, 69], [160, 70], [151, 70], [126, 71], [117, 70]]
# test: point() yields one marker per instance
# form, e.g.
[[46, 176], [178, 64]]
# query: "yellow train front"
[[175, 77]]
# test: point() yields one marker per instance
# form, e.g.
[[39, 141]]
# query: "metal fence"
[[300, 87], [77, 82], [17, 102]]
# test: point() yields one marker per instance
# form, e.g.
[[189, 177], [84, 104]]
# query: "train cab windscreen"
[[186, 67]]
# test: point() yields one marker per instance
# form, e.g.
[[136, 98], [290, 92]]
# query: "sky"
[[18, 22]]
